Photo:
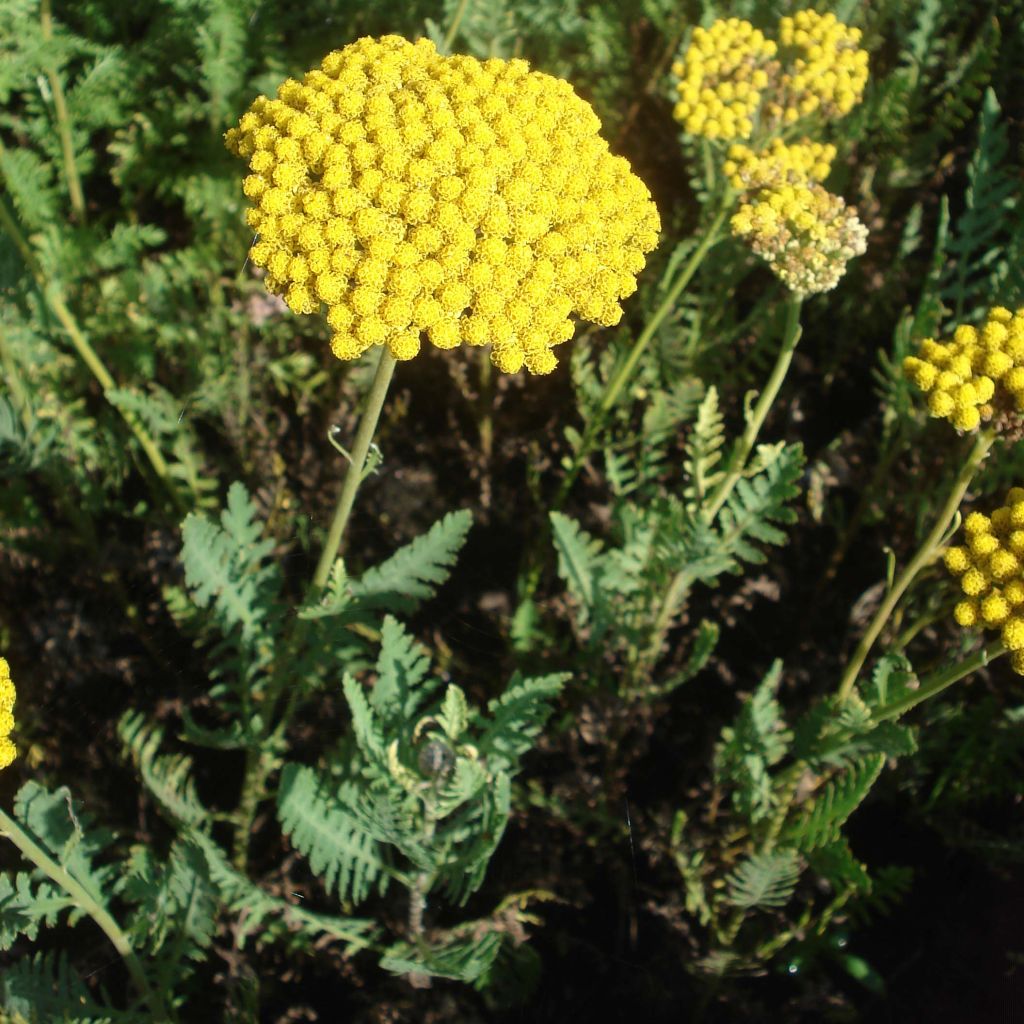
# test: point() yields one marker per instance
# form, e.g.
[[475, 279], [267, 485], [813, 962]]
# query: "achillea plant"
[[734, 83], [8, 751], [414, 193], [978, 376]]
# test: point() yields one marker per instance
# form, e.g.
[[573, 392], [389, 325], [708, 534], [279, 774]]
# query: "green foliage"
[[338, 850], [840, 797], [224, 570], [45, 987], [990, 231], [764, 880], [751, 746], [402, 582], [168, 777]]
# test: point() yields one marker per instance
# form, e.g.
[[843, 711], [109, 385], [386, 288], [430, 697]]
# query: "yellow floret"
[[957, 560], [966, 613], [994, 610], [974, 582], [1013, 633]]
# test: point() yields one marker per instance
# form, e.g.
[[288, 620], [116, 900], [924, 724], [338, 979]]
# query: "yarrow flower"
[[990, 565], [826, 70], [470, 201], [976, 377], [804, 233], [8, 751], [721, 79], [733, 80]]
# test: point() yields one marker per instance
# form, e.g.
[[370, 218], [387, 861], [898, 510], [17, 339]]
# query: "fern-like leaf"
[[704, 450], [758, 504], [269, 917], [517, 717], [764, 880], [820, 824], [339, 851], [168, 777]]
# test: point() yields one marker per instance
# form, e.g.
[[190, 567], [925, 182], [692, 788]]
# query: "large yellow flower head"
[[977, 376], [990, 565], [804, 233], [7, 697], [470, 201], [735, 83]]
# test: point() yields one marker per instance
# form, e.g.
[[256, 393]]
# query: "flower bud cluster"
[[826, 71], [780, 163], [468, 201], [804, 233], [977, 375], [7, 697], [732, 79], [721, 77], [990, 565]]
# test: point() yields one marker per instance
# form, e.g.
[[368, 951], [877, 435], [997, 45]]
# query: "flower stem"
[[55, 300], [939, 681], [745, 445], [681, 582], [453, 28], [86, 902], [354, 476], [924, 555], [60, 110], [259, 763]]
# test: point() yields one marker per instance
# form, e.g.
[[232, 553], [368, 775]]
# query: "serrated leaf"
[[764, 880], [339, 851], [821, 822]]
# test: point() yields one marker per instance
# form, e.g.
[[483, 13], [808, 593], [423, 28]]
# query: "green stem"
[[680, 585], [924, 555], [260, 763], [19, 396], [354, 476], [86, 902], [628, 365], [60, 110], [453, 28], [745, 445], [55, 300], [939, 681]]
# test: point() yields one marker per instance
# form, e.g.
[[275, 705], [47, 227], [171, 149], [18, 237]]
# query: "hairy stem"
[[925, 553], [939, 681], [60, 110], [745, 445], [34, 853]]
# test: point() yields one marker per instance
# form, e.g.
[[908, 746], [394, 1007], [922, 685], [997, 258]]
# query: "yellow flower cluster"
[[7, 697], [826, 70], [991, 570], [732, 79], [798, 163], [977, 375], [470, 201], [804, 233], [721, 77]]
